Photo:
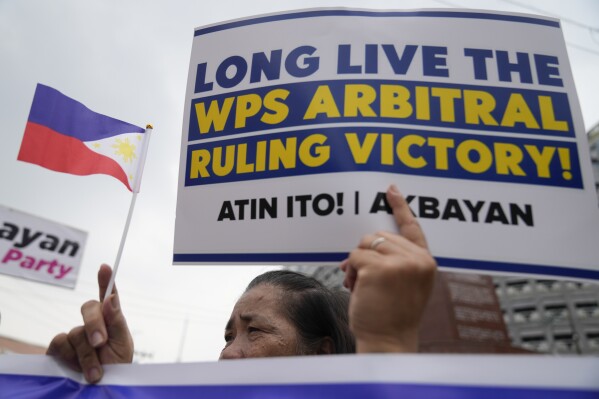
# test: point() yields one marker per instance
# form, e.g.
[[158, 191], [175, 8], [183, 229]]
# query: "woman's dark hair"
[[315, 310]]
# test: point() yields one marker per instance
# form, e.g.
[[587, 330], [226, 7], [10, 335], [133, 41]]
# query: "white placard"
[[296, 123], [38, 249], [349, 376]]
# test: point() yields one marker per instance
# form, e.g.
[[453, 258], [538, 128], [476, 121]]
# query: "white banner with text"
[[37, 249], [296, 123]]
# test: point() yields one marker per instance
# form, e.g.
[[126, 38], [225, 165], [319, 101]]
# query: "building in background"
[[593, 136], [464, 316], [551, 316]]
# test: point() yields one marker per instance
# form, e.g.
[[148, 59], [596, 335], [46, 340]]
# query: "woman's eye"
[[228, 338], [253, 329]]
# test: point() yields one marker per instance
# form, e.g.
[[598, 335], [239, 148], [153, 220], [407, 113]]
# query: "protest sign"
[[363, 376], [296, 123], [38, 249]]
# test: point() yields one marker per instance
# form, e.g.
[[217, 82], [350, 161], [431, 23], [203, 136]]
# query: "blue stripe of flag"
[[66, 116]]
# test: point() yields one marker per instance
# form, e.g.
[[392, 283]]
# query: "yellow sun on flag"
[[124, 149]]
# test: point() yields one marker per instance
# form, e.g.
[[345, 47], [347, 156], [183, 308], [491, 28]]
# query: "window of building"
[[587, 309], [593, 340], [564, 342], [556, 311], [572, 285], [535, 342], [517, 287], [524, 314], [546, 285]]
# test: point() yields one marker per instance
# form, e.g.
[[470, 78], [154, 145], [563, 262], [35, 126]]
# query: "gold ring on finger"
[[376, 242]]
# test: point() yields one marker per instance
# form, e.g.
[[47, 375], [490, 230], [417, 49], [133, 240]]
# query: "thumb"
[[104, 275], [119, 337], [116, 324], [114, 319]]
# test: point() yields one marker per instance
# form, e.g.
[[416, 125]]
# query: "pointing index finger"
[[406, 222]]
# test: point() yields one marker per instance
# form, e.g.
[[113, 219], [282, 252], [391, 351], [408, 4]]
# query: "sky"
[[129, 59]]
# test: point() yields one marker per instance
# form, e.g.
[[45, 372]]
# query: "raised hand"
[[104, 337], [391, 278]]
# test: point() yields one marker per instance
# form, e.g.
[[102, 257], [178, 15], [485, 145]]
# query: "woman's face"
[[258, 326]]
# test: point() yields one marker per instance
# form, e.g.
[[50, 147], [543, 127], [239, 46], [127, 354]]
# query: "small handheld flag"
[[65, 136]]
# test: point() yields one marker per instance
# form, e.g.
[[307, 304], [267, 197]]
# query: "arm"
[[391, 277], [104, 337]]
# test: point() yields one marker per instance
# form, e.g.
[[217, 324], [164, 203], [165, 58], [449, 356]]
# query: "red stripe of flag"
[[45, 147]]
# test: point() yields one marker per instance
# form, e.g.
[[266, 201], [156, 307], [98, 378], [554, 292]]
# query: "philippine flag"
[[64, 135]]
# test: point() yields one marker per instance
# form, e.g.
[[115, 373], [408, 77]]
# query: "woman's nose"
[[232, 351]]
